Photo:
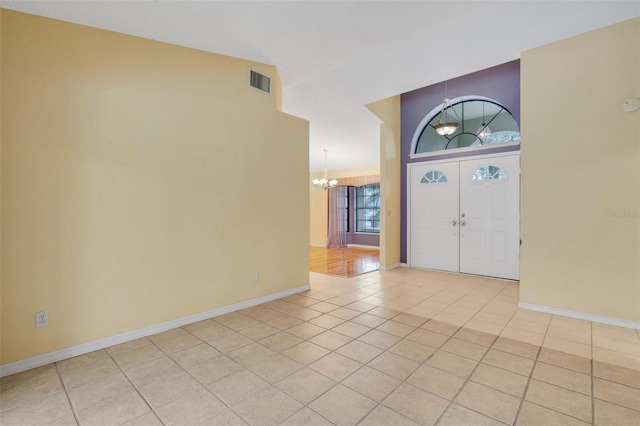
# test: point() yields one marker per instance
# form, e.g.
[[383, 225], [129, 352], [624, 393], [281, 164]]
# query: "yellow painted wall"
[[0, 184], [318, 201], [388, 110], [581, 160], [135, 184]]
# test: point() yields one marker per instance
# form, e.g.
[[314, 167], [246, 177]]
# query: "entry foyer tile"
[[269, 407], [432, 364], [39, 411], [305, 385], [306, 352], [563, 400], [198, 407], [394, 365], [420, 406], [118, 409], [382, 415], [342, 406], [535, 415], [371, 383], [335, 366], [490, 402], [457, 415], [238, 386], [438, 382]]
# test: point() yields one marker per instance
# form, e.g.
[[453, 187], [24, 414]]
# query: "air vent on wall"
[[260, 81]]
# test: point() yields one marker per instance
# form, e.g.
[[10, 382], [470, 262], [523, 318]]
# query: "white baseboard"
[[364, 246], [390, 267], [348, 245], [404, 265], [580, 315], [59, 355]]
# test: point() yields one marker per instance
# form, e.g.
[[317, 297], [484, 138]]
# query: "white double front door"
[[464, 216]]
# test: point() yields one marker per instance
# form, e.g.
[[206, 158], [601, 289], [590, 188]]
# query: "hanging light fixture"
[[444, 127], [484, 131], [324, 182]]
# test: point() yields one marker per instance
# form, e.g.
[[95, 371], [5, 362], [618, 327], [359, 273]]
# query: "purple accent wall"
[[501, 83], [372, 240]]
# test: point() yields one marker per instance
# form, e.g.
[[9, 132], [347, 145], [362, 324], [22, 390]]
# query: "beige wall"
[[581, 159], [136, 184], [318, 201], [388, 110]]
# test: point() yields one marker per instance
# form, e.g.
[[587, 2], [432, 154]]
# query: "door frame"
[[410, 166]]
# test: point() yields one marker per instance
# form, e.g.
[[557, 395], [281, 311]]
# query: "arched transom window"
[[479, 122]]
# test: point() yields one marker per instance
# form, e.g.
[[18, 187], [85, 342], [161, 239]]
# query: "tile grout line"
[[485, 305], [306, 405], [401, 381], [360, 368], [526, 388], [405, 380], [66, 392], [495, 337], [466, 380], [345, 378], [459, 327], [202, 384], [168, 355], [458, 299], [133, 384], [536, 361]]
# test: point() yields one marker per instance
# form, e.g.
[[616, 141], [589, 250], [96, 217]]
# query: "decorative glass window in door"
[[433, 176], [488, 173], [479, 122]]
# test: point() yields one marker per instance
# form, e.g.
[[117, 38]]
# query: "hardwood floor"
[[344, 262]]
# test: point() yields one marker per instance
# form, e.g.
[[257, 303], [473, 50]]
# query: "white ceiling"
[[334, 57]]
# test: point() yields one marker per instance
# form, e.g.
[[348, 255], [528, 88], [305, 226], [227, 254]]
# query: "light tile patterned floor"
[[403, 347]]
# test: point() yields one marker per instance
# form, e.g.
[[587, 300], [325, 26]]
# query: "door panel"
[[490, 216], [433, 211]]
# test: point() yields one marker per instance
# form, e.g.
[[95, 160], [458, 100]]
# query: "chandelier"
[[324, 182], [444, 127]]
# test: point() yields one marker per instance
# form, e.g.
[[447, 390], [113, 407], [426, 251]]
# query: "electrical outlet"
[[42, 319], [258, 276]]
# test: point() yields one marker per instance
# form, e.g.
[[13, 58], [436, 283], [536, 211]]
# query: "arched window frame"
[[433, 176], [482, 173], [434, 112]]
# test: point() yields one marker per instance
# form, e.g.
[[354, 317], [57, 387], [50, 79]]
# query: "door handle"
[[454, 222], [463, 223]]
